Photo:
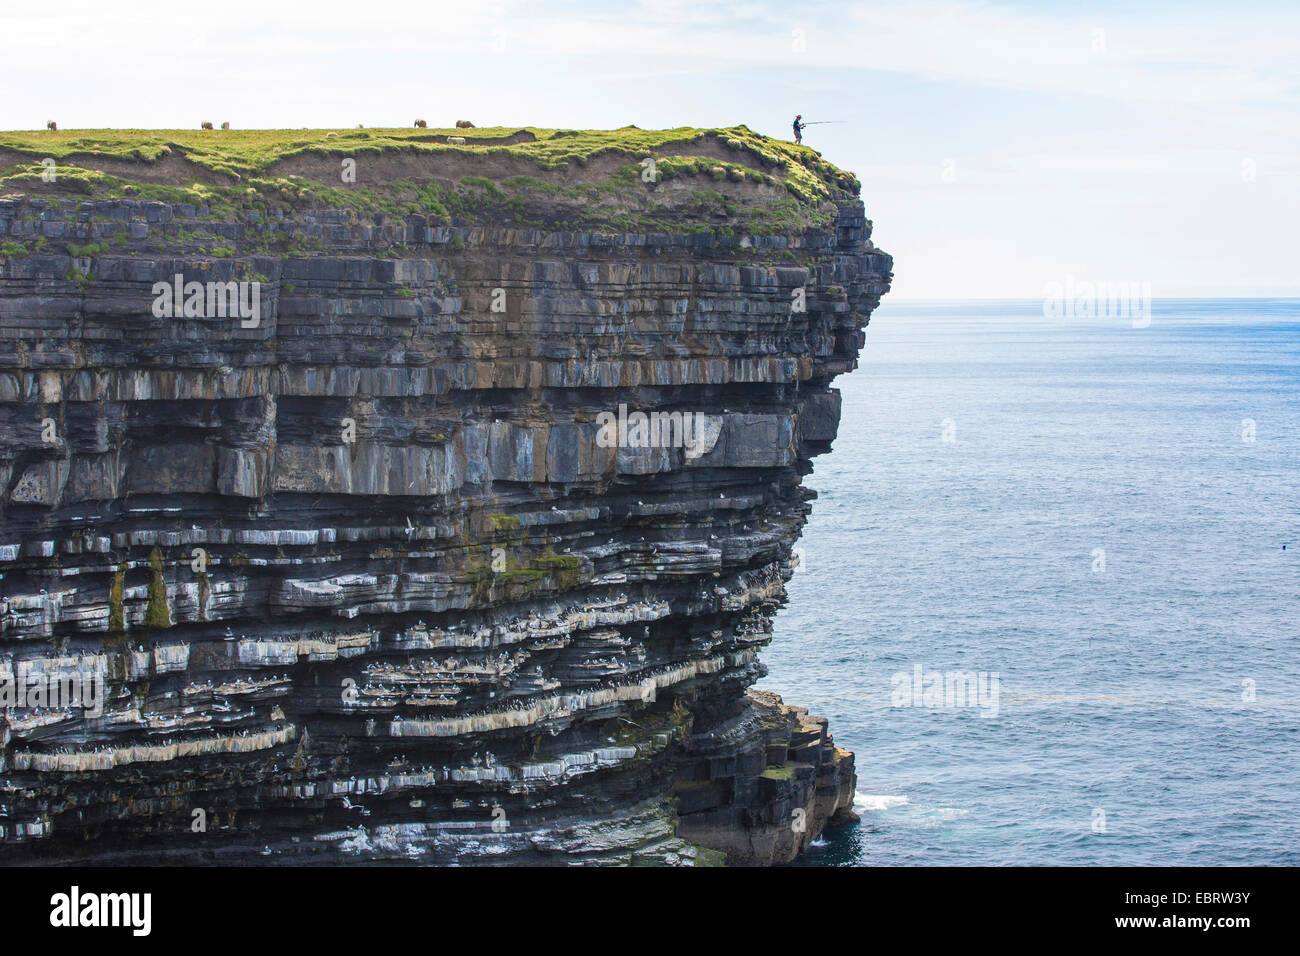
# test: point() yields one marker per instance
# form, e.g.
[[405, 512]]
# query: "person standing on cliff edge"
[[798, 129]]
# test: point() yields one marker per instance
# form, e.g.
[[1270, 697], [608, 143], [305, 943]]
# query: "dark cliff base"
[[362, 580]]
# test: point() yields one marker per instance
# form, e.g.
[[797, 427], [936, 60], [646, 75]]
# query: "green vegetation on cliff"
[[157, 613], [529, 177]]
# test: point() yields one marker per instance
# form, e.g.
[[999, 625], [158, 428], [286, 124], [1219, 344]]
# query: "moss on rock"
[[157, 614]]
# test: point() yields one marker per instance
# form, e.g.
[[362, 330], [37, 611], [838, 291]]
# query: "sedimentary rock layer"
[[365, 580]]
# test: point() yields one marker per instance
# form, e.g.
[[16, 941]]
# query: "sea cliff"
[[358, 561]]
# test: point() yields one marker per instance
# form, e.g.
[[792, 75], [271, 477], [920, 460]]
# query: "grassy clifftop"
[[593, 176]]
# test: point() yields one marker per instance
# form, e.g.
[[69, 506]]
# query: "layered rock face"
[[370, 576]]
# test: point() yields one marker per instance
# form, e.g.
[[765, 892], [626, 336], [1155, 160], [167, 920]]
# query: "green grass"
[[252, 154], [83, 252], [574, 180], [487, 185]]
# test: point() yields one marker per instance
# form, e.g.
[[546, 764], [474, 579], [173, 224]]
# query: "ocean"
[[1073, 531]]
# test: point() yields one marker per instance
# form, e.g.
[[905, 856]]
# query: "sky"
[[1002, 147]]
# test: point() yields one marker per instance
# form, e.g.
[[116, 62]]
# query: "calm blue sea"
[[1148, 692]]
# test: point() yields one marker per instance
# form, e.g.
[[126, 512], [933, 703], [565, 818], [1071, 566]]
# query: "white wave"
[[873, 801]]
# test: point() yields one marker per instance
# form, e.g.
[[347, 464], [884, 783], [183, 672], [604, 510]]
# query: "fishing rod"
[[823, 122]]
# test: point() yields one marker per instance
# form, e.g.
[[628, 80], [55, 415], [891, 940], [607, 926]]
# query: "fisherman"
[[798, 128]]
